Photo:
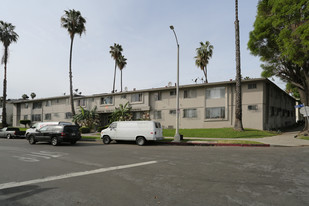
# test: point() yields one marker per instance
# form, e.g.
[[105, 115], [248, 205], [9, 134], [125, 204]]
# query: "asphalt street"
[[127, 174]]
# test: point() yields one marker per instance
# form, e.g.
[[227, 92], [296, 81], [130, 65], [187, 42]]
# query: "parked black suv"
[[55, 134]]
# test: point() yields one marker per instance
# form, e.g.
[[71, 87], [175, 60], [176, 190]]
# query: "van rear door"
[[158, 130]]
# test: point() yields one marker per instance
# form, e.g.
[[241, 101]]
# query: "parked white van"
[[139, 131], [39, 125]]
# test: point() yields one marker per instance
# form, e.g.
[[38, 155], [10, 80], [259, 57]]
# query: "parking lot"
[[127, 174]]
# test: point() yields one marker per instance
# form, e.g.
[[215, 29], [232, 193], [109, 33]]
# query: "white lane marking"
[[35, 156], [74, 174], [27, 159]]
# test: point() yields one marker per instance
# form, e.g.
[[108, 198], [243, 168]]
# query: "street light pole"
[[177, 136]]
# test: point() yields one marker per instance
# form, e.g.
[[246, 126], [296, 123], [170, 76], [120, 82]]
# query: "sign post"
[[303, 110]]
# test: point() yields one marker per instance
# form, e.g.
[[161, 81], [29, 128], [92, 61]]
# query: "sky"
[[39, 60]]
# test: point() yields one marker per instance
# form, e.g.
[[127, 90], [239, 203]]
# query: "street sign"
[[304, 111], [299, 106]]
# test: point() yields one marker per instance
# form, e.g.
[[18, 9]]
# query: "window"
[[123, 96], [48, 103], [173, 111], [107, 100], [37, 105], [113, 125], [157, 124], [25, 116], [215, 113], [215, 93], [252, 107], [189, 94], [47, 116], [251, 86], [157, 96], [137, 97], [26, 105], [189, 113], [36, 118], [68, 115], [82, 102], [157, 115], [173, 93], [137, 115]]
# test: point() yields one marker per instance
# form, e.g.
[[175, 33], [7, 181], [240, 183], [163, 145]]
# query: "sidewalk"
[[285, 139]]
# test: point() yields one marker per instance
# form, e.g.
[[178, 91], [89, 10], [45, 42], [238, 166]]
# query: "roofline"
[[212, 84]]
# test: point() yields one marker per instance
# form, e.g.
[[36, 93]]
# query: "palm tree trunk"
[[121, 79], [70, 76], [238, 110], [205, 73], [114, 77], [4, 123]]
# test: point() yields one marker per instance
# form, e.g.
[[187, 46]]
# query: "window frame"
[[209, 93], [103, 102], [220, 117], [140, 98], [185, 114]]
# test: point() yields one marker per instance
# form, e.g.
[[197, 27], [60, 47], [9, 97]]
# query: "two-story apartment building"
[[212, 105]]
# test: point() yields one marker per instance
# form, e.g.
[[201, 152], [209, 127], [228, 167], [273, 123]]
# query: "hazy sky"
[[39, 61]]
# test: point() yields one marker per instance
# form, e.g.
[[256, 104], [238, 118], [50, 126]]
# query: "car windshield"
[[34, 126]]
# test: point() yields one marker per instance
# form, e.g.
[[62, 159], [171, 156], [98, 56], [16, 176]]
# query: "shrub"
[[84, 130], [25, 122], [99, 129]]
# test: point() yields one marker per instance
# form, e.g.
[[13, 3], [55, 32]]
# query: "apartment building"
[[264, 105]]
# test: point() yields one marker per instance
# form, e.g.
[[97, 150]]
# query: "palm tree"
[[121, 62], [238, 110], [75, 24], [7, 36], [115, 53], [203, 54]]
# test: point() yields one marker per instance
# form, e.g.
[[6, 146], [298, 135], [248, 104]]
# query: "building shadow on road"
[[10, 196]]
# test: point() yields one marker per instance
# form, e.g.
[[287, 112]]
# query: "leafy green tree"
[[87, 118], [291, 89], [203, 54], [115, 53], [75, 24], [121, 113], [7, 36], [25, 122], [121, 62], [281, 39]]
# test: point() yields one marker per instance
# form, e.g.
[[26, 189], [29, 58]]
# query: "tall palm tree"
[[203, 54], [7, 36], [121, 62], [115, 53], [75, 24], [238, 110]]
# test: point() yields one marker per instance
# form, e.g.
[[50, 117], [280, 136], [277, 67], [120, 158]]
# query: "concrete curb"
[[191, 143], [213, 144]]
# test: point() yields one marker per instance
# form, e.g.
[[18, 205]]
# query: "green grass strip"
[[219, 133]]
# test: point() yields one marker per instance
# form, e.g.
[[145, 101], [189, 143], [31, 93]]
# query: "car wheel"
[[106, 139], [54, 141], [32, 140], [73, 142], [9, 136], [140, 141]]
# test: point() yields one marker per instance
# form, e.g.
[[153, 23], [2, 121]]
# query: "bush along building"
[[265, 106]]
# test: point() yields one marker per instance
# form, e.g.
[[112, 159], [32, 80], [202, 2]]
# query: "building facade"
[[265, 106]]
